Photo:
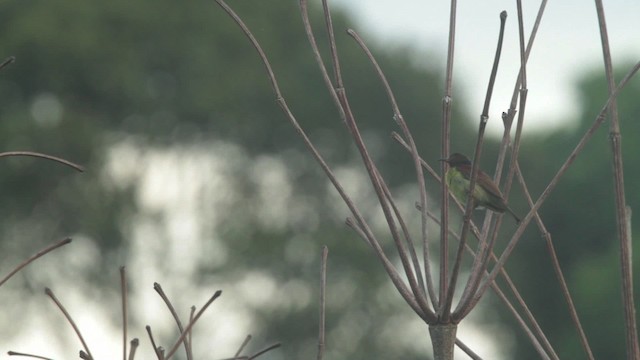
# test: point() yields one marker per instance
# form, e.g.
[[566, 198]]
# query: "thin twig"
[[558, 270], [134, 346], [51, 295], [15, 353], [445, 138], [391, 271], [43, 156], [444, 311], [487, 246], [242, 346], [418, 168], [156, 348], [8, 61], [125, 310], [164, 297], [467, 350], [34, 257], [624, 239], [265, 350], [531, 334], [323, 287], [191, 323], [552, 184]]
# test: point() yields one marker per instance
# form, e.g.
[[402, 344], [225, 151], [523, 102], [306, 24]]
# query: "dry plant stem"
[[536, 328], [164, 297], [509, 116], [337, 74], [556, 267], [192, 313], [534, 32], [626, 267], [376, 181], [393, 274], [418, 168], [51, 295], [552, 184], [8, 61], [14, 353], [407, 236], [443, 338], [323, 287], [156, 348], [537, 331], [134, 346], [242, 346], [265, 350], [445, 137], [191, 323], [43, 156], [34, 257], [125, 310], [522, 78], [304, 11], [487, 247], [467, 350], [444, 311]]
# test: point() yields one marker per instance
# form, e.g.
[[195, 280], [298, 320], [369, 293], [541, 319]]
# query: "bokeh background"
[[194, 178]]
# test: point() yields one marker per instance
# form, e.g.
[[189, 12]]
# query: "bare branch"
[[164, 297], [51, 295], [43, 156], [323, 287], [191, 323], [125, 310], [34, 257], [444, 311]]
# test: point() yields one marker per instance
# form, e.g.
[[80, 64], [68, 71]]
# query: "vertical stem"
[[443, 339], [446, 130], [631, 330]]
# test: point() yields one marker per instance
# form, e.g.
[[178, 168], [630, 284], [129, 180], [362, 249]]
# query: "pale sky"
[[567, 45]]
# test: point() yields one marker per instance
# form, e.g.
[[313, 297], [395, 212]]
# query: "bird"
[[486, 193]]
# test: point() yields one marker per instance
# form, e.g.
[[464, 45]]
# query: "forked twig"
[[419, 174], [552, 184], [156, 348], [444, 311], [191, 323], [370, 238]]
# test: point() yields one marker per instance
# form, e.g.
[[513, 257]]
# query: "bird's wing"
[[483, 178]]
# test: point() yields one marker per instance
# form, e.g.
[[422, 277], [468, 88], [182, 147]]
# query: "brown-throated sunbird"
[[486, 193]]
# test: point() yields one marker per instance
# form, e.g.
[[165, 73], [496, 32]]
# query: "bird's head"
[[457, 159]]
